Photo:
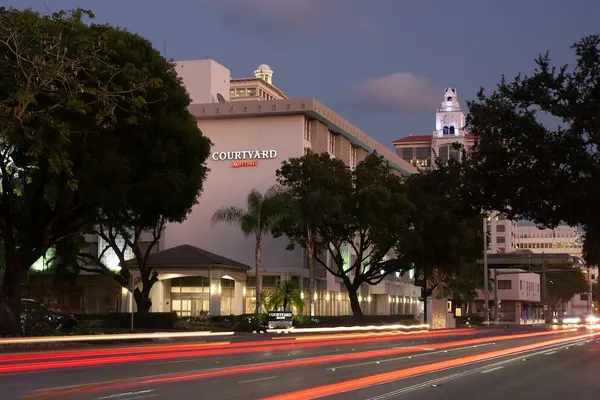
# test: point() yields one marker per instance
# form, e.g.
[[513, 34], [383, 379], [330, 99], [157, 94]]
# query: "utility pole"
[[496, 305], [544, 288], [590, 302], [486, 294]]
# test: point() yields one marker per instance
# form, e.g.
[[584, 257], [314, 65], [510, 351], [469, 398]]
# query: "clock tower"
[[450, 119]]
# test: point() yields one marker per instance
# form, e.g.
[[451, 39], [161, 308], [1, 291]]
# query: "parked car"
[[35, 317]]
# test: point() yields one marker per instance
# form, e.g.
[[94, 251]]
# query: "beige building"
[[562, 239], [254, 127]]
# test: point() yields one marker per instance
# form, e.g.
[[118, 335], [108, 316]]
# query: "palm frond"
[[231, 215]]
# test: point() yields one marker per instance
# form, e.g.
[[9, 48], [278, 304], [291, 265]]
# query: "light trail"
[[172, 335], [360, 383], [210, 349], [253, 368]]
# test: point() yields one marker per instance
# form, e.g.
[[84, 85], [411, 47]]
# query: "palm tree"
[[257, 219], [286, 294]]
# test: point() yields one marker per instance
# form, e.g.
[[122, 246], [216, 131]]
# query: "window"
[[269, 281], [306, 150], [504, 285], [353, 157], [452, 131], [583, 297], [252, 92], [406, 154], [501, 228], [520, 285], [500, 239], [331, 142], [445, 130], [449, 98], [306, 129]]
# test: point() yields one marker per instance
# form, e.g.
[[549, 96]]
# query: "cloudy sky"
[[382, 64]]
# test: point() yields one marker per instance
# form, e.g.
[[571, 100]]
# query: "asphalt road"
[[520, 363]]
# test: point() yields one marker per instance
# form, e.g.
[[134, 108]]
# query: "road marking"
[[258, 379], [406, 357], [491, 370], [427, 384], [115, 396]]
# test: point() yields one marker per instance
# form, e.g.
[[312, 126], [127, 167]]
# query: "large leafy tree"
[[166, 170], [256, 220], [314, 186], [446, 238], [74, 113], [538, 135], [362, 212]]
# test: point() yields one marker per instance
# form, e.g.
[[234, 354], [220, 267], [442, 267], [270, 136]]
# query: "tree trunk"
[[142, 301], [257, 275], [10, 301], [142, 297], [354, 303], [425, 296], [311, 271]]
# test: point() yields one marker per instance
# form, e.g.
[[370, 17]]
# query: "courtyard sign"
[[244, 155], [280, 319]]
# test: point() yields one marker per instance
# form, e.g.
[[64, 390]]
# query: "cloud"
[[400, 92], [272, 16]]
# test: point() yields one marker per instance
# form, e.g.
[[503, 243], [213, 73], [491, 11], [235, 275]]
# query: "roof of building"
[[310, 107], [187, 256], [258, 81], [422, 138], [264, 67]]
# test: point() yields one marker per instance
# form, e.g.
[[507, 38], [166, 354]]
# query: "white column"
[[239, 298], [156, 296], [215, 297]]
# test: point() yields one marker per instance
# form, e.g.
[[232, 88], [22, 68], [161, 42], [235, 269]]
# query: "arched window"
[[449, 98], [452, 130], [445, 131]]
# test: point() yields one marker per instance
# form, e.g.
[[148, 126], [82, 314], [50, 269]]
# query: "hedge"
[[238, 323]]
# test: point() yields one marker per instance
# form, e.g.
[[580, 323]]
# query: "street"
[[516, 363]]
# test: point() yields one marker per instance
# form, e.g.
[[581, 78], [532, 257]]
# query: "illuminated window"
[[252, 92]]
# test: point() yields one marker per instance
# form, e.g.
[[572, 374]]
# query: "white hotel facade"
[[254, 126]]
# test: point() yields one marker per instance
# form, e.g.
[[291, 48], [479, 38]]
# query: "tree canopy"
[[538, 135], [447, 234], [314, 186], [86, 109], [357, 216]]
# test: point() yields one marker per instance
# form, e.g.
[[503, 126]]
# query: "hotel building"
[[254, 126]]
